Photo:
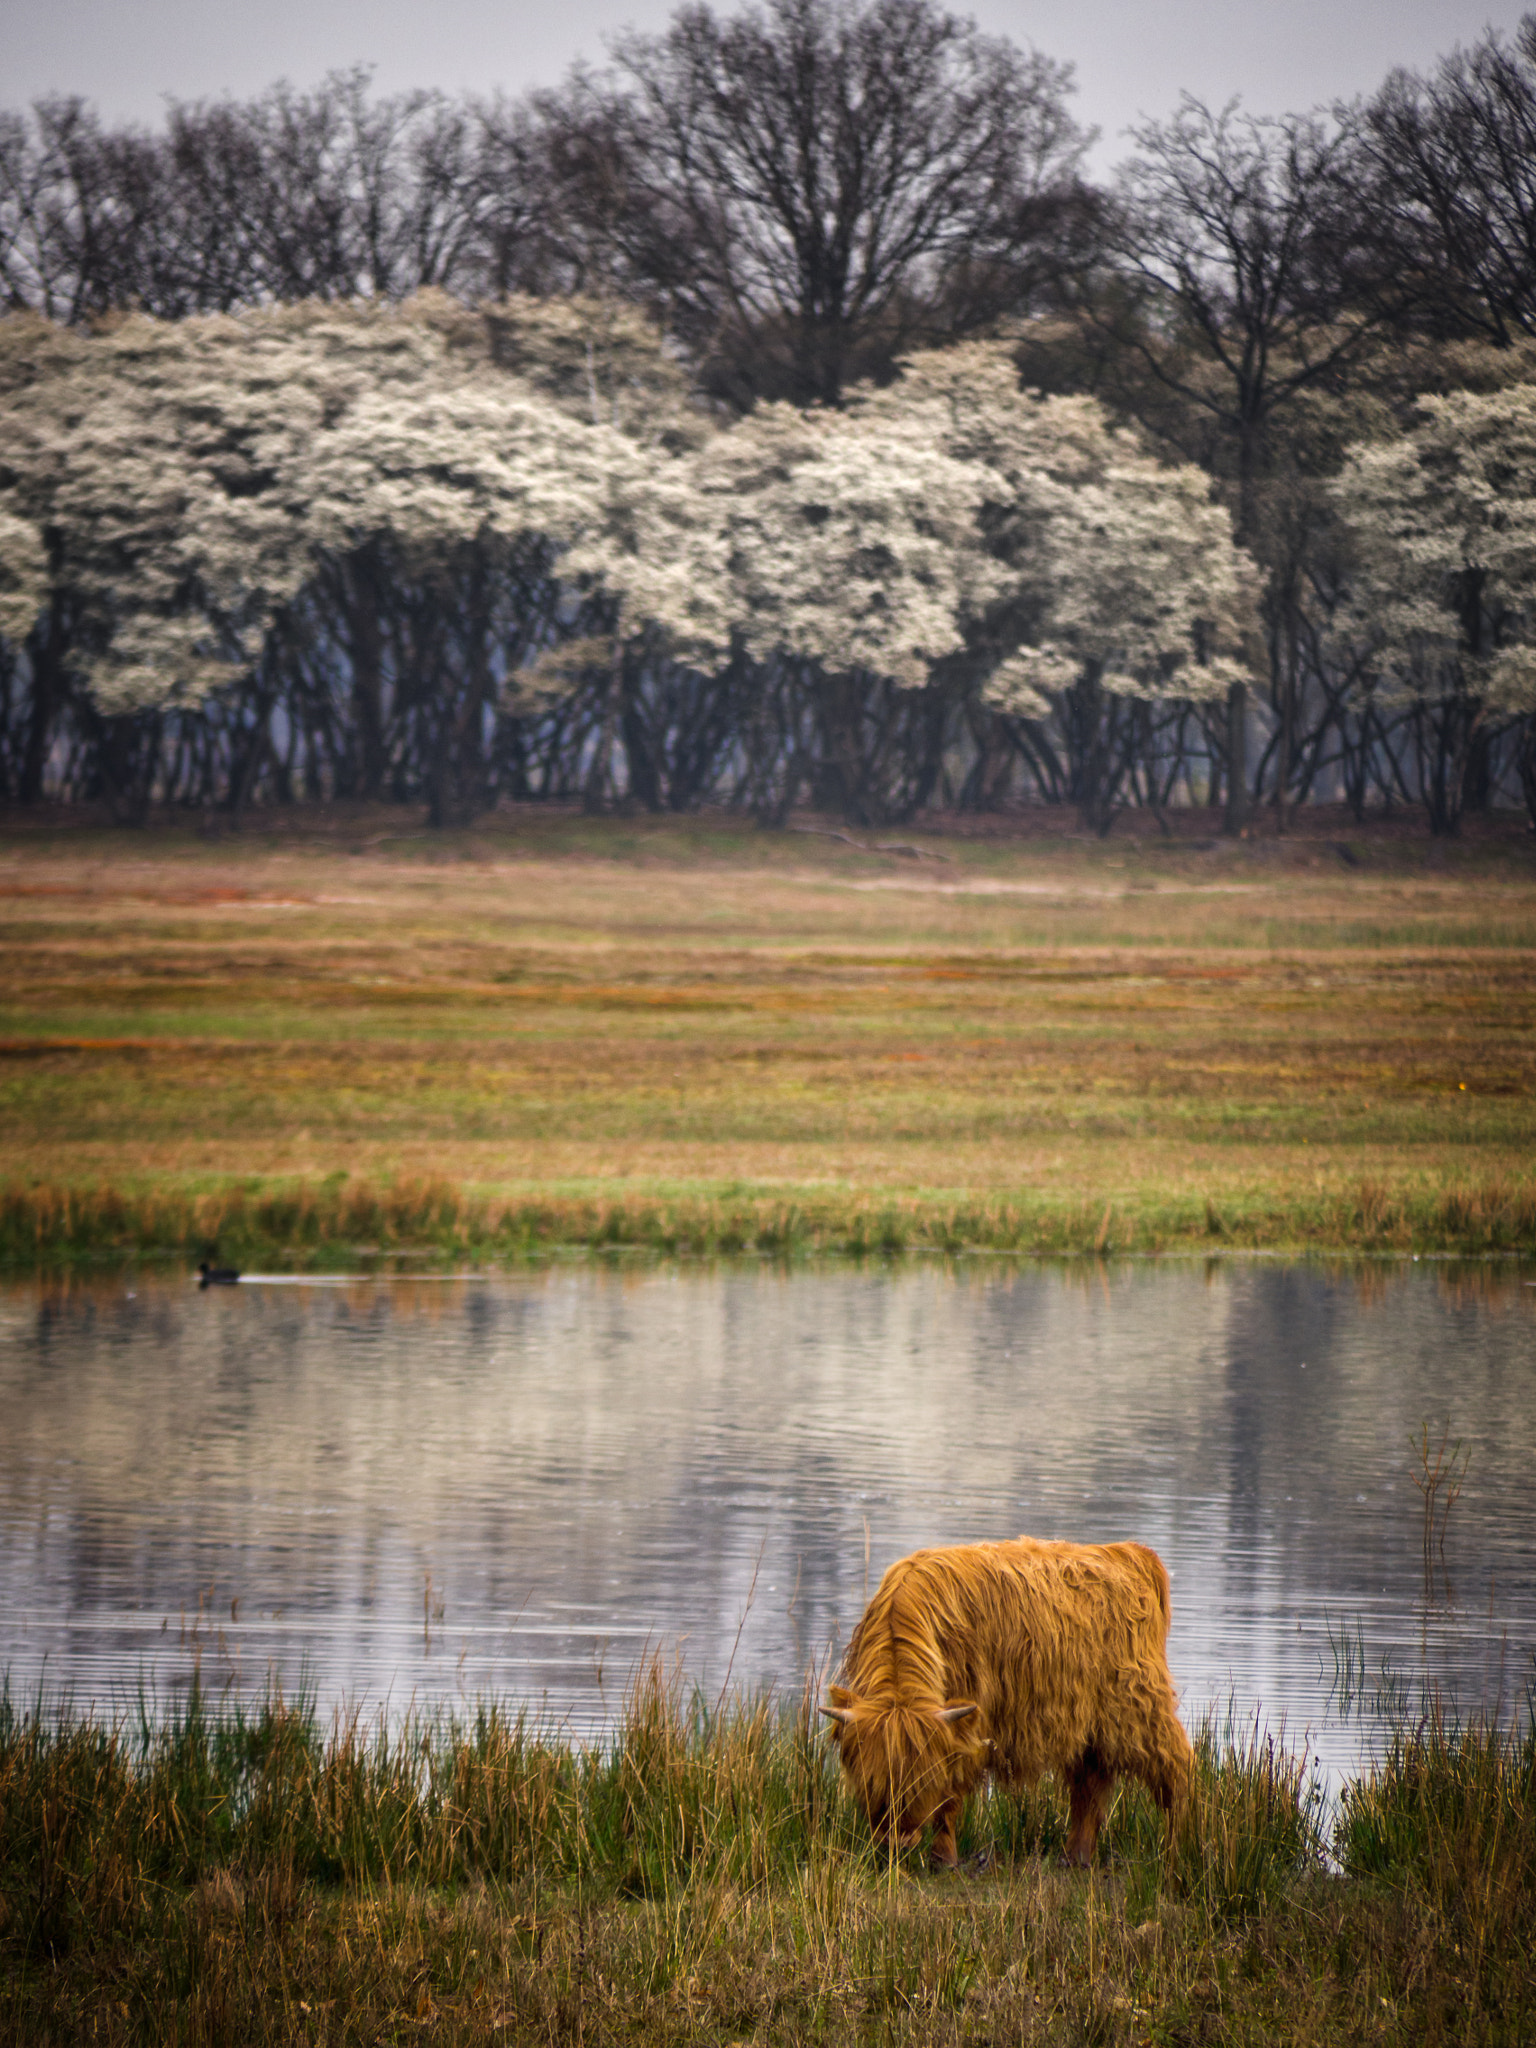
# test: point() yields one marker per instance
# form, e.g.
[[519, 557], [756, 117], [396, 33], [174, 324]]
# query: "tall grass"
[[437, 1800], [701, 1876], [337, 1221], [97, 1815], [1254, 1825], [1450, 1816]]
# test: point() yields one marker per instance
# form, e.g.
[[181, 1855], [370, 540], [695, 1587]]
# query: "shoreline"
[[342, 1225]]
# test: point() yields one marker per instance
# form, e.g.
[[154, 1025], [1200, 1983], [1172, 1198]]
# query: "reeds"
[[1497, 1214], [433, 1799], [701, 1876], [1449, 1818], [1254, 1824], [339, 1221], [1441, 1475]]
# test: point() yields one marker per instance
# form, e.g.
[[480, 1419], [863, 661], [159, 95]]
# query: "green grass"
[[702, 1877]]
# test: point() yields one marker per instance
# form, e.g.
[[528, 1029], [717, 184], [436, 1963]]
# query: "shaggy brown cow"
[[1013, 1658]]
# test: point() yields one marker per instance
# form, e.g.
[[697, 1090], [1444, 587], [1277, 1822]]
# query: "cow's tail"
[[1162, 1592]]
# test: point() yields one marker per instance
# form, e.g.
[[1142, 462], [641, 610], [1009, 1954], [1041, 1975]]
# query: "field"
[[555, 1029]]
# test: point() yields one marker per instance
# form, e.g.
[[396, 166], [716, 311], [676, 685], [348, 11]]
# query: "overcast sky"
[[1133, 57]]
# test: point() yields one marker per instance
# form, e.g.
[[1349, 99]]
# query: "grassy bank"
[[337, 1224], [703, 1879], [688, 1034]]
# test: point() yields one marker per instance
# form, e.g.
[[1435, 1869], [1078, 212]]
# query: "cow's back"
[[1061, 1645]]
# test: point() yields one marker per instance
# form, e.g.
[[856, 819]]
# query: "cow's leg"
[[945, 1853], [1089, 1785], [1169, 1768]]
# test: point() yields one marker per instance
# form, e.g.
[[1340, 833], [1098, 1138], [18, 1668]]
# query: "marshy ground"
[[694, 1031]]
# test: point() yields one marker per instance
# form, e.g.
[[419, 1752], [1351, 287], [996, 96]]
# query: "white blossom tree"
[[948, 529], [799, 533], [185, 482], [1151, 608], [1443, 593], [811, 558], [448, 515], [188, 473], [1100, 558]]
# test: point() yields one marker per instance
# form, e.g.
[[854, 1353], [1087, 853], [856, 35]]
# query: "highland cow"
[[1010, 1658]]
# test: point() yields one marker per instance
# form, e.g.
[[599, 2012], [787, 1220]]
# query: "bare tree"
[[1444, 176], [801, 194], [1237, 304], [329, 194], [83, 210], [835, 178], [595, 223]]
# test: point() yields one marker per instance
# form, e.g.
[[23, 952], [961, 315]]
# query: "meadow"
[[350, 1036]]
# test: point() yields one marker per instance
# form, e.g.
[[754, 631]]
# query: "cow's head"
[[903, 1762]]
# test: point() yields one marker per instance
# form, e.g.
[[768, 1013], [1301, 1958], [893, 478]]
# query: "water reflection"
[[517, 1485]]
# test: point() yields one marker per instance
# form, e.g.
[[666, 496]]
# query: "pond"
[[394, 1493]]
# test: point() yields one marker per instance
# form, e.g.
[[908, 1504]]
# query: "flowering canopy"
[[1443, 522], [188, 474], [948, 515], [23, 576], [799, 533], [188, 477], [1096, 559]]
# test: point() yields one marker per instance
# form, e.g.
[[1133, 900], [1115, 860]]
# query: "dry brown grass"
[[1187, 1038]]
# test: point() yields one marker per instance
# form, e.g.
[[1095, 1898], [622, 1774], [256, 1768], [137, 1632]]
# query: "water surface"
[[395, 1492]]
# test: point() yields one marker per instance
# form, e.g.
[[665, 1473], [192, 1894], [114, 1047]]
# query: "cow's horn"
[[958, 1713], [839, 1714]]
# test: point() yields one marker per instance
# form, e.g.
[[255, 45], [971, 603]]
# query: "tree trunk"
[[473, 769], [599, 776], [1478, 780], [1528, 768], [1236, 817], [367, 677], [1289, 692], [47, 696]]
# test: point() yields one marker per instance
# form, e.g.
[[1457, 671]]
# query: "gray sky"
[[1133, 57]]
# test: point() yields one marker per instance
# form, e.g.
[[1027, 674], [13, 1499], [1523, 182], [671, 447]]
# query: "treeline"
[[742, 219]]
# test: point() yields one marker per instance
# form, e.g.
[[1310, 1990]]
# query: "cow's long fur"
[[1061, 1650]]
